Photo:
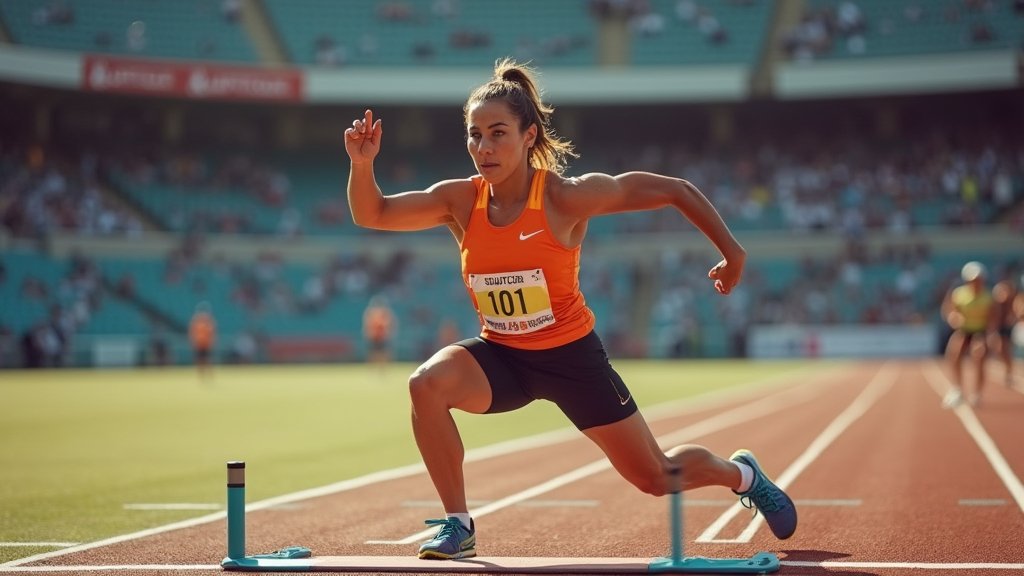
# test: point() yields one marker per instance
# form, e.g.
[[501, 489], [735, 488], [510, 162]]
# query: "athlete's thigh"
[[978, 346], [454, 375], [957, 344], [630, 447]]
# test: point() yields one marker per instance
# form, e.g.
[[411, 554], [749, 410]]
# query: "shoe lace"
[[449, 527], [762, 497]]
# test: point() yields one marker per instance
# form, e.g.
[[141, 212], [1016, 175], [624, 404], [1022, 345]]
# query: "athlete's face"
[[494, 140]]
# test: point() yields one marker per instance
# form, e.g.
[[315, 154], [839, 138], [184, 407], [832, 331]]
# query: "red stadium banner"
[[185, 80]]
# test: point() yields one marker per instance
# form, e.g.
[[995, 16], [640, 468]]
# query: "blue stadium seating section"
[[112, 316], [682, 43], [943, 27], [508, 25], [563, 33], [183, 29], [551, 34]]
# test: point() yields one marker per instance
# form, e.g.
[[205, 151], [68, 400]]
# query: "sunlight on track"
[[938, 381], [878, 386], [737, 416]]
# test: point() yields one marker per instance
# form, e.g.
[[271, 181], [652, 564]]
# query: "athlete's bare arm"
[[447, 202], [597, 194], [950, 314]]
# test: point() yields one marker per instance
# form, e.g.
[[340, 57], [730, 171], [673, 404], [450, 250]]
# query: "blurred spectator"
[[159, 350], [423, 51], [245, 348], [327, 52], [982, 33], [55, 12], [379, 327], [686, 11], [445, 9], [711, 28], [466, 39], [135, 36], [231, 10], [396, 11], [649, 24], [1004, 319], [850, 19], [202, 333]]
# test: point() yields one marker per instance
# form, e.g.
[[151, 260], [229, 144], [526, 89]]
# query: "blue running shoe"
[[453, 541], [778, 510]]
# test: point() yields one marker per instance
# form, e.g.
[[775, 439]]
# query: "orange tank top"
[[523, 282]]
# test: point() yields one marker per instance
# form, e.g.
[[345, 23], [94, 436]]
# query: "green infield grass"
[[80, 445]]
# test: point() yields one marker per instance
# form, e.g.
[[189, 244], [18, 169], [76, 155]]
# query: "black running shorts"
[[576, 376]]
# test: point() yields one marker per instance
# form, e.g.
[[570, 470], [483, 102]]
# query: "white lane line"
[[110, 568], [173, 506], [841, 565], [941, 384], [906, 565], [526, 504], [556, 482], [981, 502], [851, 502], [824, 503], [734, 417], [664, 410], [37, 544], [875, 389]]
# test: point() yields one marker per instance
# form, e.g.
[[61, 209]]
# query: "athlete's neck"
[[513, 190]]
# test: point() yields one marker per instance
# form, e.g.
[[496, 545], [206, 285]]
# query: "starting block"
[[301, 559]]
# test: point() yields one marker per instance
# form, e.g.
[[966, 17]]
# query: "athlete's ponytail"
[[514, 83]]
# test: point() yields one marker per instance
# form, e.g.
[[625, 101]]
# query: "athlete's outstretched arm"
[[598, 194], [417, 210]]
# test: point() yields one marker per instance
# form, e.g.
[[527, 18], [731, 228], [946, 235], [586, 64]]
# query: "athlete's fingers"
[[715, 270]]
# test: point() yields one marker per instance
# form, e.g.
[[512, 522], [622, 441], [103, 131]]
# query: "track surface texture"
[[886, 482]]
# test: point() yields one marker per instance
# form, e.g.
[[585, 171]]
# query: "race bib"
[[513, 302]]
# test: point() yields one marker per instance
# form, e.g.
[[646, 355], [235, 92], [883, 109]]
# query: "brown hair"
[[514, 83]]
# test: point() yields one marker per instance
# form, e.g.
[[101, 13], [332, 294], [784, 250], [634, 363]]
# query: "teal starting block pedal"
[[300, 558], [760, 563], [257, 561]]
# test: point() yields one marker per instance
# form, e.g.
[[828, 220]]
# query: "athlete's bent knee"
[[425, 387], [654, 482]]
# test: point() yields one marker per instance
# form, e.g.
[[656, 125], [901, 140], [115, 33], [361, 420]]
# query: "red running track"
[[886, 482]]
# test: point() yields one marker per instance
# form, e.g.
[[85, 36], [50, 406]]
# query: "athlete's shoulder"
[[570, 190], [456, 191], [456, 185]]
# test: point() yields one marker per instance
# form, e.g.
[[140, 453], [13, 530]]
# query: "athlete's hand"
[[726, 275], [362, 140]]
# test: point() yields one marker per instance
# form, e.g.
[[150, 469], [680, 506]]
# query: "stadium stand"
[[674, 32], [156, 223], [832, 29], [438, 33], [185, 29]]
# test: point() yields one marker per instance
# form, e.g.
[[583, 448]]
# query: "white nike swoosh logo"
[[530, 235], [616, 388]]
